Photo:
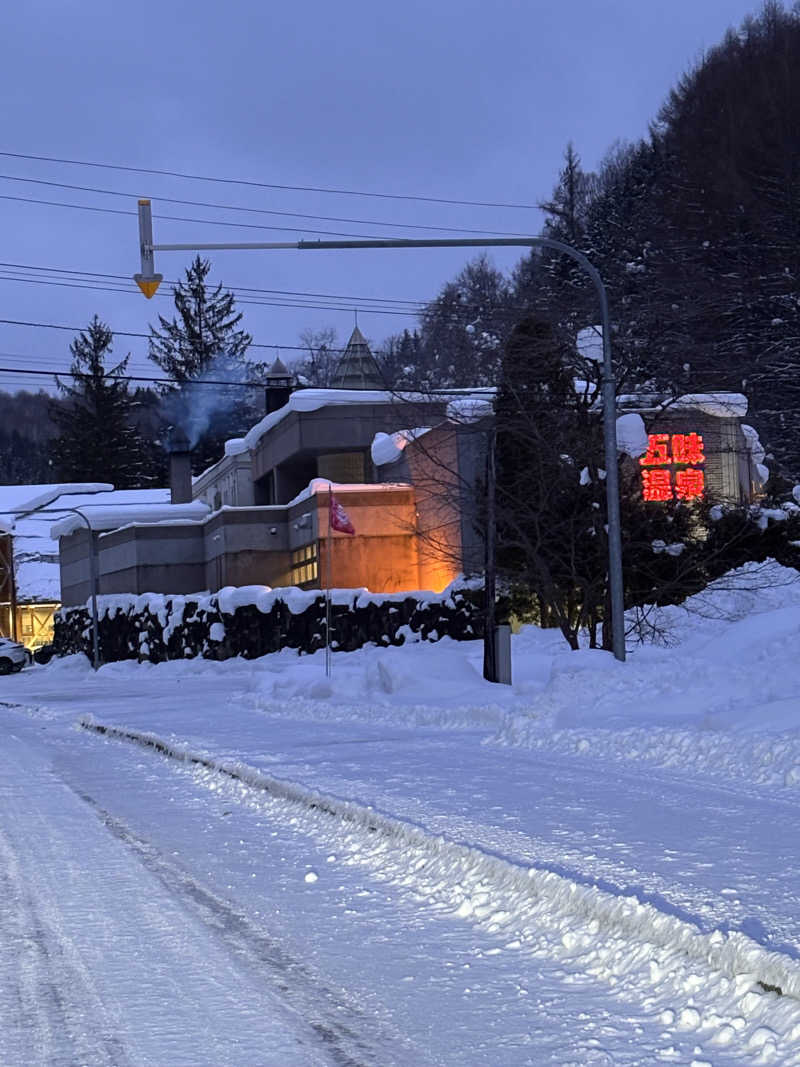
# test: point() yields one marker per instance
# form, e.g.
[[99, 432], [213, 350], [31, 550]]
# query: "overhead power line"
[[131, 291], [300, 299], [132, 378], [361, 300], [130, 333], [100, 277], [268, 185], [182, 218], [254, 210]]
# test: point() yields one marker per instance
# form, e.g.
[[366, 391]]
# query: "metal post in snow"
[[490, 567], [608, 390], [93, 582]]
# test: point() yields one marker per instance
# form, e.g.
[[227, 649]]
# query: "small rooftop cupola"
[[357, 368], [280, 383]]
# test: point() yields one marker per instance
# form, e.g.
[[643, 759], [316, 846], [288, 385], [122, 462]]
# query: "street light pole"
[[148, 276], [93, 583], [41, 504]]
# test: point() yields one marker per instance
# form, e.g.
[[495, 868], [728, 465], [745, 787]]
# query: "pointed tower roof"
[[357, 368], [279, 369]]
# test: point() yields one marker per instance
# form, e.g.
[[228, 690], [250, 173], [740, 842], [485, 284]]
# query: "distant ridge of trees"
[[695, 230]]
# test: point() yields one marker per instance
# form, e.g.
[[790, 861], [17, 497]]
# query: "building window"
[[305, 565], [343, 467]]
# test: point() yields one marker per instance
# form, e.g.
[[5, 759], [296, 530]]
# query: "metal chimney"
[[180, 467]]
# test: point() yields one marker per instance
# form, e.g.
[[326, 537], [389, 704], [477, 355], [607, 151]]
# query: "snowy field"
[[248, 863]]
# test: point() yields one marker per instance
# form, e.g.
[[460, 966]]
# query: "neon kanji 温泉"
[[689, 483], [657, 484], [687, 448]]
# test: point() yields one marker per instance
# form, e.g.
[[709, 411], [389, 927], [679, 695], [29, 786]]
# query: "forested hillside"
[[696, 233]]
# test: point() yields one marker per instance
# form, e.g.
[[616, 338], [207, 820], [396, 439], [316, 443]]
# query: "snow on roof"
[[14, 498], [322, 485], [470, 407], [36, 564], [388, 447], [589, 343], [314, 399], [720, 405], [631, 435], [116, 515], [236, 446]]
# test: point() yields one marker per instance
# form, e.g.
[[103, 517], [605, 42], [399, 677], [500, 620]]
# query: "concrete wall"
[[168, 558], [229, 483], [247, 547], [383, 555], [328, 431], [433, 465], [74, 566]]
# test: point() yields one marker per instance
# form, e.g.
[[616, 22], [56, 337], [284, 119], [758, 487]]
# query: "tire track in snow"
[[724, 985], [346, 1035], [56, 1018]]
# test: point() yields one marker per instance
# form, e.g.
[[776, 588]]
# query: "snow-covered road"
[[476, 905], [113, 955]]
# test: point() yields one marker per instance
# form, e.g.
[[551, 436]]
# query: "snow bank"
[[718, 977], [719, 693]]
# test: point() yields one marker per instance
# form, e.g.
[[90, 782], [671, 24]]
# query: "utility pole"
[[490, 572], [148, 281]]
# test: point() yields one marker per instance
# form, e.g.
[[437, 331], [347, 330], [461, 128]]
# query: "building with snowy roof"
[[30, 565], [407, 469]]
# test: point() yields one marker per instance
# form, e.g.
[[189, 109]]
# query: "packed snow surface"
[[253, 862]]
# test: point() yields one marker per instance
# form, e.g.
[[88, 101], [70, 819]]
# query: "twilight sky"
[[459, 101]]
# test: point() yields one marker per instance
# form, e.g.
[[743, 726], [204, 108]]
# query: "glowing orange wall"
[[385, 553]]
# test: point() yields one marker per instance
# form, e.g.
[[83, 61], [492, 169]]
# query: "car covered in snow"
[[13, 655]]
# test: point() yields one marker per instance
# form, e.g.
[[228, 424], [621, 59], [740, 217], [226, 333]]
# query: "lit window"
[[305, 565]]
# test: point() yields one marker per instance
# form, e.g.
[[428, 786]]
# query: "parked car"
[[13, 656]]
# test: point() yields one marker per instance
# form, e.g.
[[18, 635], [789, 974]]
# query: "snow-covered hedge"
[[252, 621]]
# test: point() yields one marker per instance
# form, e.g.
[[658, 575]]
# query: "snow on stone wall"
[[253, 621]]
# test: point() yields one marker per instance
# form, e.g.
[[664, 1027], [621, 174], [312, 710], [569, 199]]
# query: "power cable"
[[360, 300], [257, 210], [132, 291], [130, 333], [181, 218], [133, 378], [267, 185]]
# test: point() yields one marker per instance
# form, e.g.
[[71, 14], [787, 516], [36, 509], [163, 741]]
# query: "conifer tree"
[[463, 330], [204, 328], [96, 439]]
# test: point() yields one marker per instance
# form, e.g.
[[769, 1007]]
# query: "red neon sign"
[[672, 467]]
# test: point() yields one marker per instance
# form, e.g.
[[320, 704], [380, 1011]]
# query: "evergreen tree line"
[[695, 231], [99, 428]]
